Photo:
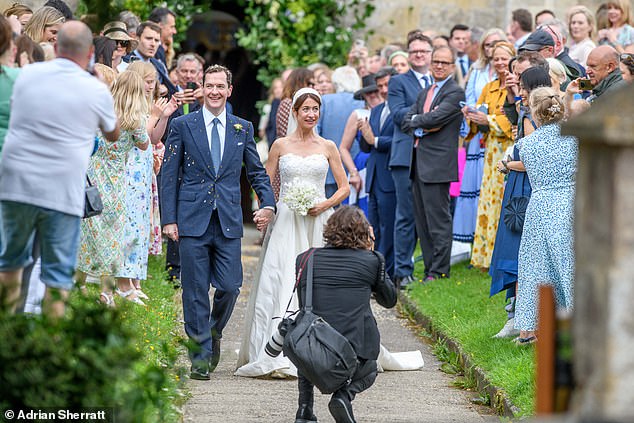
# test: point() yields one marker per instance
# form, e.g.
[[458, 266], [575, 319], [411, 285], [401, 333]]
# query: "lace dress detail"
[[309, 169]]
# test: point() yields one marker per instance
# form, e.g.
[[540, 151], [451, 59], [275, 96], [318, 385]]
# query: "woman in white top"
[[581, 27]]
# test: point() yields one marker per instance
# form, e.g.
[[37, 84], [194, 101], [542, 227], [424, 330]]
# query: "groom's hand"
[[262, 218], [171, 230]]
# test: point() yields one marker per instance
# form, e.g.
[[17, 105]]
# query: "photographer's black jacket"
[[343, 282]]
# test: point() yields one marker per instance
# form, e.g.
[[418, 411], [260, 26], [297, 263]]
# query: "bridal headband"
[[303, 91]]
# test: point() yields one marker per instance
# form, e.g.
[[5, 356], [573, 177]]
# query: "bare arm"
[[349, 133], [113, 135], [343, 189]]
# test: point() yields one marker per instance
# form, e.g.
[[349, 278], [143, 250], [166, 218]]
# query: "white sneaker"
[[508, 330]]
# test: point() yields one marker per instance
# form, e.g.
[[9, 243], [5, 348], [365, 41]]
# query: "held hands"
[[171, 231], [318, 209], [262, 218]]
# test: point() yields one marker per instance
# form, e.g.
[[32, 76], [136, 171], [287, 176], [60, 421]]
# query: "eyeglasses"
[[414, 52], [627, 58], [440, 63]]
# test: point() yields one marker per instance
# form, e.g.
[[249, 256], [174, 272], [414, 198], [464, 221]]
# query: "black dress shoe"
[[340, 408], [405, 281], [199, 372], [305, 414], [215, 354]]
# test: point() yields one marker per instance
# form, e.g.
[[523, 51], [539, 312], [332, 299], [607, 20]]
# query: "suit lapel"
[[440, 93], [197, 128]]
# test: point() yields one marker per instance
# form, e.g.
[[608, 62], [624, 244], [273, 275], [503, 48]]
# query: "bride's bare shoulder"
[[329, 147]]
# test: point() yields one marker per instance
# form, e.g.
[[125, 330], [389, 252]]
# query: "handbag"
[[93, 205], [320, 353], [515, 209]]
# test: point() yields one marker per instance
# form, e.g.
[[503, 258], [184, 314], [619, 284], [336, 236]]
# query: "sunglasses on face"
[[123, 43]]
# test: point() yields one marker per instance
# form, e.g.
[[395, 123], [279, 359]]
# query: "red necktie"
[[427, 105]]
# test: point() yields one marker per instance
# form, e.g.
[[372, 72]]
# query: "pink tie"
[[428, 99]]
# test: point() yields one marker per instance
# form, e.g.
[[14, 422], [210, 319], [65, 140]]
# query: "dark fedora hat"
[[369, 86], [538, 40]]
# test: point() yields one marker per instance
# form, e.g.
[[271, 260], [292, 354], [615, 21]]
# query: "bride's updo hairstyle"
[[546, 105], [348, 228]]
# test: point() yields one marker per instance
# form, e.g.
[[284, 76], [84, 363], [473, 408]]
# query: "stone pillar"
[[603, 321]]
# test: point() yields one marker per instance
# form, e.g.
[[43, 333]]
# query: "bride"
[[302, 156]]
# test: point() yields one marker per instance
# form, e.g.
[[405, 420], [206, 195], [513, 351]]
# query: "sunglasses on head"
[[627, 58]]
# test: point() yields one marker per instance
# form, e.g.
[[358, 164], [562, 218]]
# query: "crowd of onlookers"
[[438, 134]]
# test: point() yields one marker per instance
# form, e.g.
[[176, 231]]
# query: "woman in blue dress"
[[546, 253], [503, 268]]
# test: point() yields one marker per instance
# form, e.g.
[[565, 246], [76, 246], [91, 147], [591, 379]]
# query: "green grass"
[[156, 336], [460, 308]]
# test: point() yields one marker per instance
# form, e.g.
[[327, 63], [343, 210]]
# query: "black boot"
[[340, 407], [305, 401]]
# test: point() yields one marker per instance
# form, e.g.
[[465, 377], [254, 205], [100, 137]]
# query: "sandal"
[[126, 294], [525, 341], [108, 299]]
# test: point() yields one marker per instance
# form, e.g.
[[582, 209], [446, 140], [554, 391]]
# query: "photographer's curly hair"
[[546, 105], [348, 228]]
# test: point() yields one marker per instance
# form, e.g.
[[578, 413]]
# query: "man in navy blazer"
[[377, 139], [402, 92], [200, 208], [437, 113]]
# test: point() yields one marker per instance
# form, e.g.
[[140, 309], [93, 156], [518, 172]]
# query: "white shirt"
[[57, 108], [208, 117], [421, 81]]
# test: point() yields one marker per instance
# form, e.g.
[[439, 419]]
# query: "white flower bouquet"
[[300, 196]]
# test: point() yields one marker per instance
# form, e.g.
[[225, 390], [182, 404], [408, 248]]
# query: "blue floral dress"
[[546, 249], [136, 235]]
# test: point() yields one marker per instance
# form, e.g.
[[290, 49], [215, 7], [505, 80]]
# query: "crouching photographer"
[[346, 274]]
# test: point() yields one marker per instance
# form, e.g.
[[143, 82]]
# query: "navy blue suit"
[[206, 208], [402, 93], [380, 186]]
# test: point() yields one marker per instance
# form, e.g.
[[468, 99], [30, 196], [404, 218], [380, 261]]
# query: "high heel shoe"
[[126, 294]]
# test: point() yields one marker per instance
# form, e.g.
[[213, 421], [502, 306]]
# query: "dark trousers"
[[381, 212], [434, 226], [173, 260], [404, 226], [211, 259], [362, 379]]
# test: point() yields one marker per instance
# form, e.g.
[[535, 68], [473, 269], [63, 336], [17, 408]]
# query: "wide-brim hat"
[[369, 86], [119, 32]]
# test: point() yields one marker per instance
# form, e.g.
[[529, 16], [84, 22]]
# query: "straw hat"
[[117, 31]]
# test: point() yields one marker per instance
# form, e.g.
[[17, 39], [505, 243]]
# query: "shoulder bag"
[[93, 205]]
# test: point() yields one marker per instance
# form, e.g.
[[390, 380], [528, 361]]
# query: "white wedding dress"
[[289, 235]]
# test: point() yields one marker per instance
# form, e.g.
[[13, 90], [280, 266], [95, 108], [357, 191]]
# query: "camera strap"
[[300, 271]]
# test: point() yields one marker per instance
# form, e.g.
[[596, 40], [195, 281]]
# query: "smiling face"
[[50, 33], [580, 28], [501, 59], [615, 15], [419, 55], [216, 90], [307, 114]]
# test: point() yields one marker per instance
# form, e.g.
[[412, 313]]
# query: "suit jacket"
[[163, 74], [342, 296], [378, 175], [402, 92], [335, 111], [187, 200], [437, 152], [160, 55]]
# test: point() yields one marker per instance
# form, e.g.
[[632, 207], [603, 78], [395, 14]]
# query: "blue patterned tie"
[[425, 79], [215, 145]]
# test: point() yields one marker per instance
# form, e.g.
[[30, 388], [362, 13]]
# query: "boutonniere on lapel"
[[238, 128]]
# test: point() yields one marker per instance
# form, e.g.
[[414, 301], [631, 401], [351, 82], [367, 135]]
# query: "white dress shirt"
[[208, 117]]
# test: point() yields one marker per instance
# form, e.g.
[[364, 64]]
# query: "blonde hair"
[[108, 74], [130, 102], [146, 69], [556, 70], [546, 105], [579, 9], [42, 18], [624, 5], [482, 59]]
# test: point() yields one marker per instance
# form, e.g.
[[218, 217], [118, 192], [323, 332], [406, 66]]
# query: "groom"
[[200, 209]]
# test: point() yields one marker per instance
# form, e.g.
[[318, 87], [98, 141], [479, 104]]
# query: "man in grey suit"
[[435, 120]]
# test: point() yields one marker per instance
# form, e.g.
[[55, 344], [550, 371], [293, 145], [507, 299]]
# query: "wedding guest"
[[323, 78], [124, 44], [103, 246], [44, 25], [520, 27], [481, 73], [342, 299], [557, 72], [546, 254], [603, 72], [166, 19], [298, 78], [398, 60], [131, 22], [8, 75], [335, 110], [503, 269], [619, 34], [498, 138], [626, 65], [543, 16], [30, 195], [266, 128], [62, 7], [19, 10], [107, 73], [581, 27], [27, 51]]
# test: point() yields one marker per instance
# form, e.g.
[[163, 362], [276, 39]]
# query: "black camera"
[[274, 347]]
